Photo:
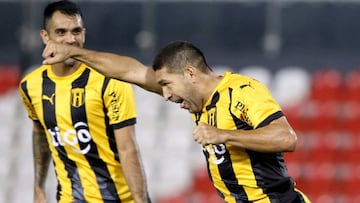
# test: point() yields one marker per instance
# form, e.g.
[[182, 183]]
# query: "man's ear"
[[190, 72], [44, 36], [84, 30]]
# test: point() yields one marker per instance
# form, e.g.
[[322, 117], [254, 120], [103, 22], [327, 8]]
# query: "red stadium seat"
[[354, 148], [202, 182], [332, 146], [202, 191], [350, 116], [347, 180], [352, 86], [319, 178], [326, 85], [203, 188], [350, 185], [322, 115], [295, 116], [180, 198], [9, 77]]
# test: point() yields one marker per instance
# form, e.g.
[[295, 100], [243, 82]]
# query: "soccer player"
[[84, 121], [242, 129]]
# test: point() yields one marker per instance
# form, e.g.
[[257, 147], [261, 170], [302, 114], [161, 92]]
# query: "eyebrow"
[[79, 28]]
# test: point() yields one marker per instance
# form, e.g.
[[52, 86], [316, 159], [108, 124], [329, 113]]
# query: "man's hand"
[[56, 52], [206, 134]]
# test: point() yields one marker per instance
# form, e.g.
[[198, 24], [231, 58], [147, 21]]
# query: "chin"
[[70, 62]]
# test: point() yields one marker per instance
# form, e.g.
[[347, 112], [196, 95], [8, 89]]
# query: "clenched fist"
[[56, 52], [206, 134]]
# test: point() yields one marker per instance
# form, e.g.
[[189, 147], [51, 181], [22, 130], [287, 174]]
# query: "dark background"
[[312, 35]]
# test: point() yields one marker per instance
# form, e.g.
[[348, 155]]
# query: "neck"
[[211, 81]]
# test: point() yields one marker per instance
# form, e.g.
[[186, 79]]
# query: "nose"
[[166, 94], [70, 38]]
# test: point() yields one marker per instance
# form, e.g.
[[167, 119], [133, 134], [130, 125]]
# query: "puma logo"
[[50, 99], [245, 85]]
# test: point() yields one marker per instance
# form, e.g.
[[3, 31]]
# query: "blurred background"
[[305, 51]]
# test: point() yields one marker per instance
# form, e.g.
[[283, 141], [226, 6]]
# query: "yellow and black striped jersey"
[[79, 114], [240, 175]]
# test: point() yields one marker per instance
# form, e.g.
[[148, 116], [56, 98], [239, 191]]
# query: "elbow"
[[292, 146], [291, 141]]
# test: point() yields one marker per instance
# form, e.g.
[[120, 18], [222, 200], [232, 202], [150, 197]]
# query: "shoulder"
[[112, 85], [247, 88], [34, 73], [118, 84], [238, 81], [238, 77]]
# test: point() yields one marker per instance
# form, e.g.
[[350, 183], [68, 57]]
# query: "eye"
[[77, 31], [163, 83], [60, 32]]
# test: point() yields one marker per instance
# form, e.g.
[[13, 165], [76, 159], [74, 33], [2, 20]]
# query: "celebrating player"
[[242, 129]]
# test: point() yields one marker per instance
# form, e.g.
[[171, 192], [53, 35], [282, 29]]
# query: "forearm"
[[255, 141], [134, 175], [42, 157], [276, 137], [124, 68]]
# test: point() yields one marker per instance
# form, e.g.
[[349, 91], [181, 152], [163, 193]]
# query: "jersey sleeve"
[[257, 103], [26, 100], [119, 101]]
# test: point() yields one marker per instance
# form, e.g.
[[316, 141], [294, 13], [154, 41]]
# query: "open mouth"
[[182, 104], [179, 101]]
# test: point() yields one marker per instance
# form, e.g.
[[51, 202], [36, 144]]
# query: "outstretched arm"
[[42, 159], [112, 65]]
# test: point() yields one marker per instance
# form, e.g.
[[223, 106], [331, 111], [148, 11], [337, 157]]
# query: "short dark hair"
[[178, 54], [64, 6]]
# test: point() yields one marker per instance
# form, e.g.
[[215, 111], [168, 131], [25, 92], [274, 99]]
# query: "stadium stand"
[[325, 164], [318, 58]]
